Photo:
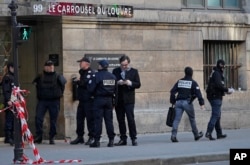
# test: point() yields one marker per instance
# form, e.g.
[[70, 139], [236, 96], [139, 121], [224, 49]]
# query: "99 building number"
[[37, 8]]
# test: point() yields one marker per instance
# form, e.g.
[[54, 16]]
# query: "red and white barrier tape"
[[20, 104]]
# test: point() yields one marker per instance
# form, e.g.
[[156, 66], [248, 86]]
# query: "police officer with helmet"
[[103, 86]]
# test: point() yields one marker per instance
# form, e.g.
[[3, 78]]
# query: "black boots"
[[124, 143], [111, 143], [200, 134], [38, 139], [174, 139], [134, 142], [121, 143], [95, 144], [197, 137], [51, 140], [78, 140], [90, 141], [9, 138], [221, 136], [209, 136]]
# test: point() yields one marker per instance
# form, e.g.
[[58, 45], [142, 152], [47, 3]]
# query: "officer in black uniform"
[[7, 85], [104, 86], [216, 90], [50, 87], [84, 109], [187, 90]]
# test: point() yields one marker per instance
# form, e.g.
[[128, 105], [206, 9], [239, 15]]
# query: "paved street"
[[153, 149]]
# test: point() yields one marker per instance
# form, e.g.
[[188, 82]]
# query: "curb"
[[173, 161]]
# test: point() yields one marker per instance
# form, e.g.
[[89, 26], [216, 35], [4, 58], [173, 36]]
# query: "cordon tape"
[[19, 109]]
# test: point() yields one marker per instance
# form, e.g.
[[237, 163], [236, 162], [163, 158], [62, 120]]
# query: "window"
[[194, 3], [232, 3], [228, 51], [212, 4]]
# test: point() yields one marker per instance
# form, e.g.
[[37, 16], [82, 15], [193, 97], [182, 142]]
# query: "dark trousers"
[[85, 111], [53, 106], [127, 110], [214, 121], [103, 109], [9, 122]]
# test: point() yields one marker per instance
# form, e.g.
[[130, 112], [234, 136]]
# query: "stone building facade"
[[161, 37]]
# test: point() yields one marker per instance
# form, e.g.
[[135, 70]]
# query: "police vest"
[[184, 89], [48, 87]]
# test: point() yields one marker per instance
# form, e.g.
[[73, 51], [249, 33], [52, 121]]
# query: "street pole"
[[18, 150]]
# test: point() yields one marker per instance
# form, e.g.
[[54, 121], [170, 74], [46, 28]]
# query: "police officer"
[[215, 92], [104, 86], [84, 109], [50, 87], [187, 90], [7, 85]]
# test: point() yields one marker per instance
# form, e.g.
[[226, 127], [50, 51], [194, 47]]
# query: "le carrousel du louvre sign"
[[82, 9]]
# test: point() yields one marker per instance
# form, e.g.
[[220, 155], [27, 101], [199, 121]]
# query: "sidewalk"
[[153, 149]]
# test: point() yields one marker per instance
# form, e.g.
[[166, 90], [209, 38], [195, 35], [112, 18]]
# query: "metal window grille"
[[228, 51]]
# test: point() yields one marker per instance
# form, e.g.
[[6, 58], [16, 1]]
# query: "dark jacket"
[[103, 84], [82, 92], [126, 94], [216, 88], [49, 85], [7, 85], [187, 89]]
